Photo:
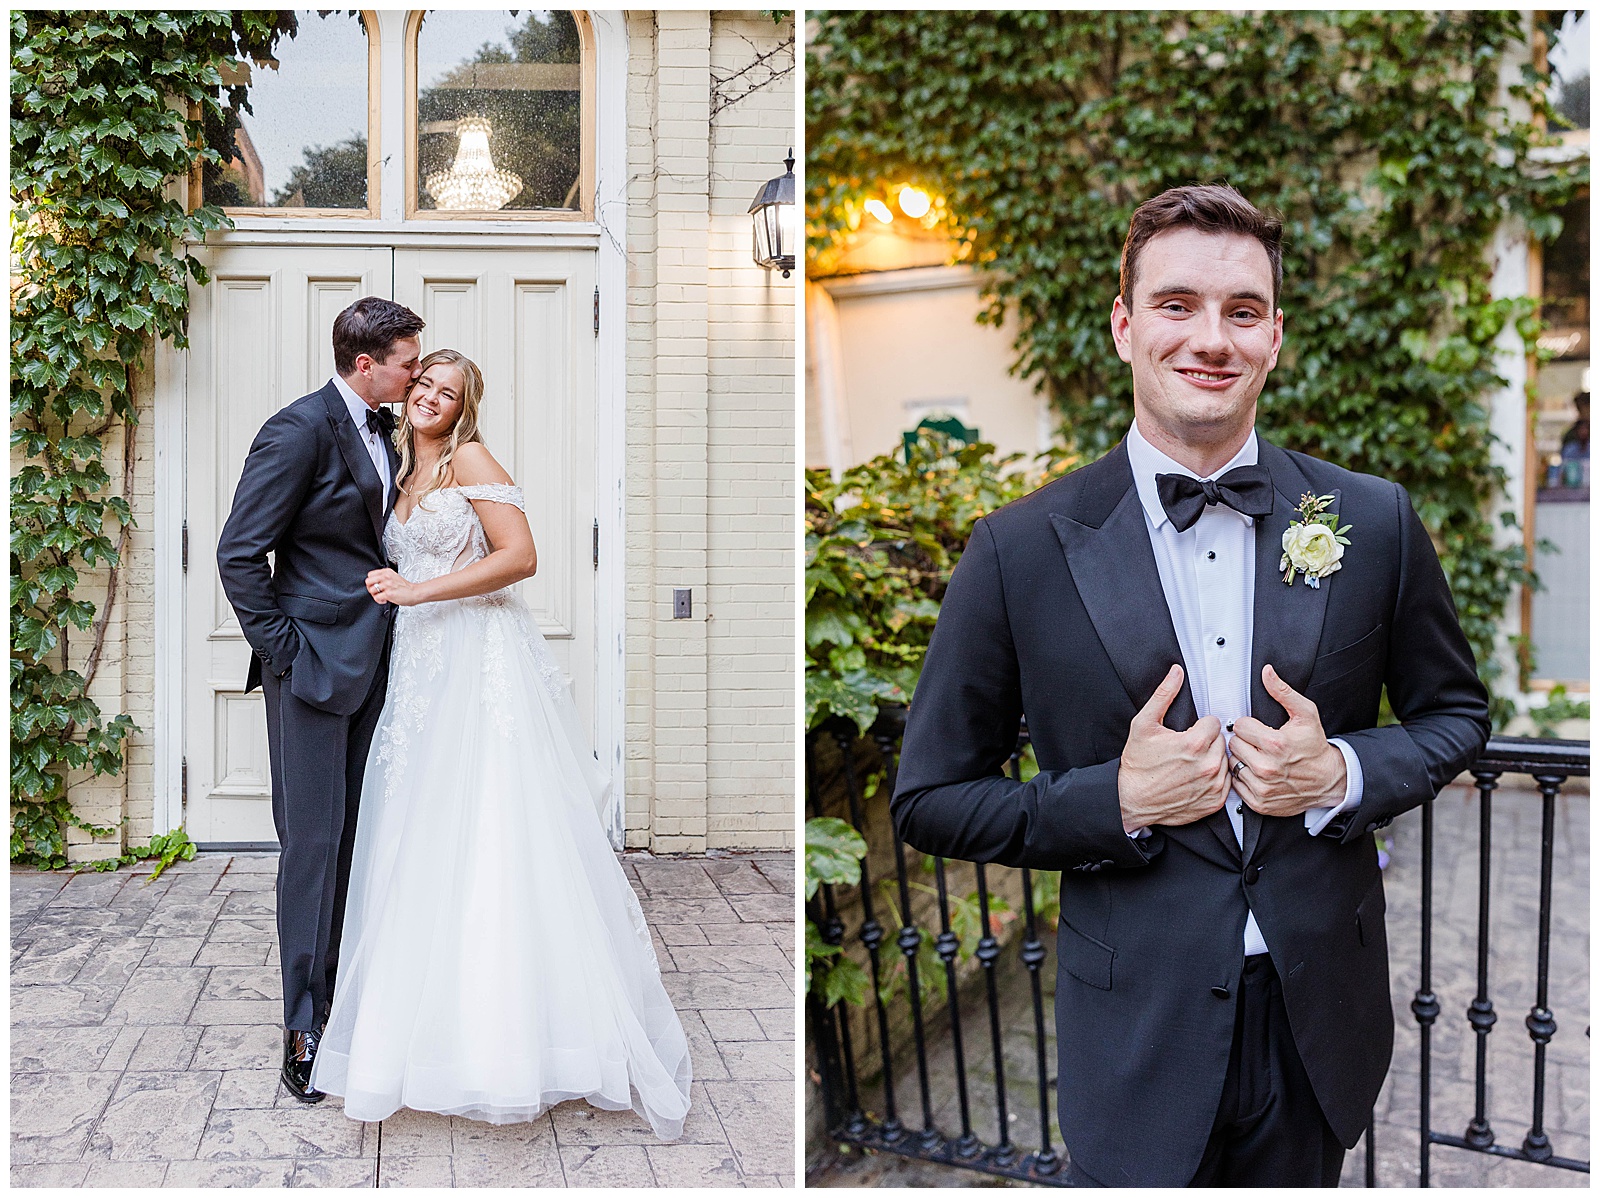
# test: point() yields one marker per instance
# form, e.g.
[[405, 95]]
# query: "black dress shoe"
[[299, 1052]]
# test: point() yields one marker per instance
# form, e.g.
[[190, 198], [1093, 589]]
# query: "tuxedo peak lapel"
[[1107, 547], [356, 458], [1288, 618], [393, 493]]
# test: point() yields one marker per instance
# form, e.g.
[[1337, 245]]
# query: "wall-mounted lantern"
[[774, 221]]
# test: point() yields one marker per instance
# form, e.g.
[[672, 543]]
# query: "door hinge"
[[597, 311], [185, 546], [597, 543], [185, 791]]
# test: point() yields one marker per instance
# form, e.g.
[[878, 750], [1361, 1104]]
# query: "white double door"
[[260, 337]]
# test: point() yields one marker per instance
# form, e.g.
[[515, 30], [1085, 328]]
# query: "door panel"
[[523, 317], [260, 337]]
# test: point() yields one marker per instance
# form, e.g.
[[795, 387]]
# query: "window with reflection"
[[1569, 72], [294, 134], [1559, 457], [1557, 615], [499, 112]]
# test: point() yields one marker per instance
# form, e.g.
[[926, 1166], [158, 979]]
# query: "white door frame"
[[607, 235]]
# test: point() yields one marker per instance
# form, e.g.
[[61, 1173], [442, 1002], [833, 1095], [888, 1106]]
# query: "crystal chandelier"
[[472, 184]]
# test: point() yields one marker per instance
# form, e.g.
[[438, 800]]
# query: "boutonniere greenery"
[[1313, 544]]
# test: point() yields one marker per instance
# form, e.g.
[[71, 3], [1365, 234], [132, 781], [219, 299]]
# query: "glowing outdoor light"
[[774, 221], [914, 202], [472, 184], [880, 210]]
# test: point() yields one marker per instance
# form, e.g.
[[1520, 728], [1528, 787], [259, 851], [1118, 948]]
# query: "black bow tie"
[[1246, 489], [382, 418]]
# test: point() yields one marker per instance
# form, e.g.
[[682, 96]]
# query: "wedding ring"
[[1238, 768]]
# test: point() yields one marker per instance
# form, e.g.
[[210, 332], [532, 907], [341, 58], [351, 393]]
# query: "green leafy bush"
[[1558, 706], [881, 542]]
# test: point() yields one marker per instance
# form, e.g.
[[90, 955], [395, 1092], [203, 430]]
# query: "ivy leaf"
[[845, 981], [827, 626], [834, 851], [32, 637], [57, 578], [853, 695]]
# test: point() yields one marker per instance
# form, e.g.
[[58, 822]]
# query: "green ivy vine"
[[100, 122], [1381, 137]]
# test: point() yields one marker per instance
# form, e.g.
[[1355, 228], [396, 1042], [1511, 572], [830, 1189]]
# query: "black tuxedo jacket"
[[310, 494], [1056, 610]]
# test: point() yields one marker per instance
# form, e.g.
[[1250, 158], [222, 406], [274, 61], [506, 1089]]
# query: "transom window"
[[297, 132], [498, 118], [498, 114]]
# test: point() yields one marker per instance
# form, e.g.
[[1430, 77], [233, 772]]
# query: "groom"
[[1222, 1006], [316, 489]]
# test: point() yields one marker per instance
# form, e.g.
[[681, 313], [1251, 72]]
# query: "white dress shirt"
[[1208, 579], [373, 440]]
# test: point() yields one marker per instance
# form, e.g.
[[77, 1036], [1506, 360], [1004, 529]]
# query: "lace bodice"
[[443, 532]]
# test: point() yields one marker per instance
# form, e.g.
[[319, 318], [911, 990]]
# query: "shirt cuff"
[[1318, 818]]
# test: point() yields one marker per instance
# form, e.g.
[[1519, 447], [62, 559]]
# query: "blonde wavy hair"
[[464, 430]]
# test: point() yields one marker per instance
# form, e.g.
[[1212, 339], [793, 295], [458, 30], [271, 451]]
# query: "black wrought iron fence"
[[864, 1086], [1550, 763]]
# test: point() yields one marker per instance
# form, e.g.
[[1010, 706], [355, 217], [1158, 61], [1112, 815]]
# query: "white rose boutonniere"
[[1314, 544]]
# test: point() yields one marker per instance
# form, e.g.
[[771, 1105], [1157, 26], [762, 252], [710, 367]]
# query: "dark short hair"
[[371, 326], [1210, 208]]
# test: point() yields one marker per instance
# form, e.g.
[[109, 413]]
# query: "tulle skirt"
[[494, 959]]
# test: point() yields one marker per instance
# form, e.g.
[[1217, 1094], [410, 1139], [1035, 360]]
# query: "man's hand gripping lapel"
[[1286, 771], [1169, 777]]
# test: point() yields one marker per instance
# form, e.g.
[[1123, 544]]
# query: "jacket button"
[[1373, 827], [1251, 873], [1220, 991]]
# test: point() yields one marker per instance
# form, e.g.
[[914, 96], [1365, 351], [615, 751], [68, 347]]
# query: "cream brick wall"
[[139, 590], [639, 581], [710, 471], [124, 680], [711, 491], [751, 494]]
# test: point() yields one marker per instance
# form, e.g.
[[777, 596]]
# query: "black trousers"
[[1269, 1129], [318, 760]]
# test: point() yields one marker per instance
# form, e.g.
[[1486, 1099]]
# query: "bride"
[[495, 959]]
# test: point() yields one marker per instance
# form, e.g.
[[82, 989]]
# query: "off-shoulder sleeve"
[[495, 493]]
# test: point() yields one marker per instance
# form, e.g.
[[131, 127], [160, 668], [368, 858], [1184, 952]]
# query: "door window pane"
[[499, 111], [303, 142], [1560, 429], [1569, 72]]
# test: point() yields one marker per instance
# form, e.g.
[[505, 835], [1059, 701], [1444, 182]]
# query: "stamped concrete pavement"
[[145, 1040]]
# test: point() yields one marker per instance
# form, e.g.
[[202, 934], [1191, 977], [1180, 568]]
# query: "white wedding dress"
[[494, 959]]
